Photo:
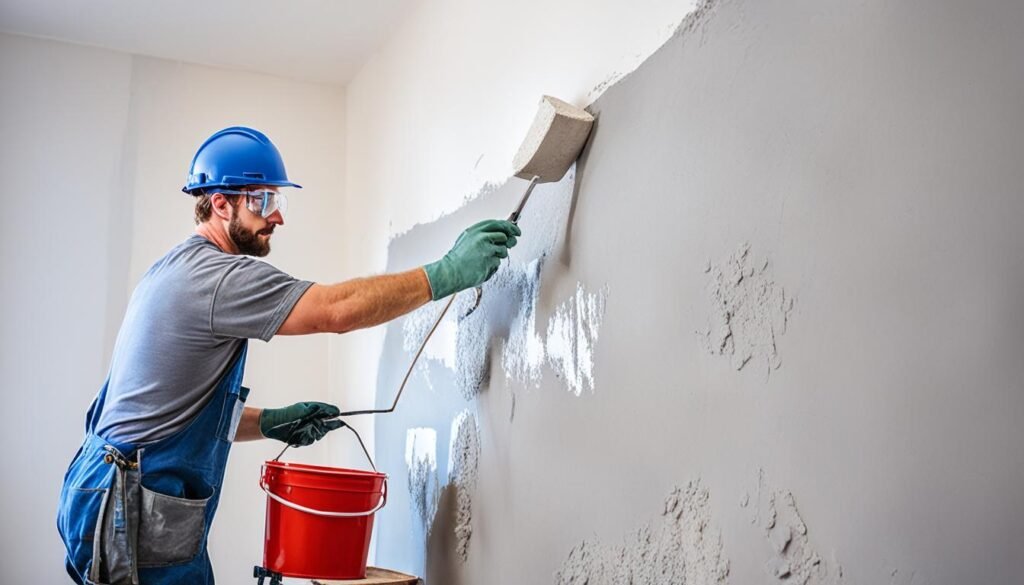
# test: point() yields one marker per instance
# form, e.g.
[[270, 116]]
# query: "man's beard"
[[248, 243]]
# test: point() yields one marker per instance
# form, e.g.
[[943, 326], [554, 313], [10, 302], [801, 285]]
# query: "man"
[[141, 493]]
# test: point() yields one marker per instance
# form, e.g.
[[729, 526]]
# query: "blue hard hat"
[[235, 157]]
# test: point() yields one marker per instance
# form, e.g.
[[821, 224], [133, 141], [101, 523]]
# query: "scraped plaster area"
[[505, 323], [778, 252]]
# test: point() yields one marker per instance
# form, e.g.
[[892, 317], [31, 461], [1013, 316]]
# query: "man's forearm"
[[249, 425], [357, 303], [371, 301]]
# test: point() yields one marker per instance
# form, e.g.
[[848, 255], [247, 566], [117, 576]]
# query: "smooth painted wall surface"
[[95, 147], [806, 218]]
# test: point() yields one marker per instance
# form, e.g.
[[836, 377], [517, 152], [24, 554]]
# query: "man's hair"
[[204, 207]]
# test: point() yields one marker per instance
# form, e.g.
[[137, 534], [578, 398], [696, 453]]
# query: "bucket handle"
[[327, 513]]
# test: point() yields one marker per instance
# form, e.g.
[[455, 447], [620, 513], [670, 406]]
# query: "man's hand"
[[300, 424], [473, 259]]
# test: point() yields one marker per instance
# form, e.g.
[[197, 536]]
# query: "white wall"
[[62, 121], [441, 109], [95, 146]]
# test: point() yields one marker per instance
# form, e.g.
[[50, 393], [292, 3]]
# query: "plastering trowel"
[[553, 143]]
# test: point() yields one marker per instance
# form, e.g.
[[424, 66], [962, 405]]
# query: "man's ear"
[[221, 206]]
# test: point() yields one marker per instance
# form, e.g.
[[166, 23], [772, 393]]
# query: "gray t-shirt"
[[185, 322]]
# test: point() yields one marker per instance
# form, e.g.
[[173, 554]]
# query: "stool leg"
[[260, 574]]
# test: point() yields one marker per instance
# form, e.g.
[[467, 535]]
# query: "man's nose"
[[276, 218]]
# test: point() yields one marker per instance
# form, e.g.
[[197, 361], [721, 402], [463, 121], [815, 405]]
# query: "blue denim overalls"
[[141, 515]]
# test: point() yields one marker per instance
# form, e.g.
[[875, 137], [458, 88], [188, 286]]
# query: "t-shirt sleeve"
[[252, 300]]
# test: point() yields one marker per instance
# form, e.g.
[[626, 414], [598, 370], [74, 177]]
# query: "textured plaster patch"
[[507, 314], [749, 312], [681, 547], [463, 467], [473, 361], [523, 353], [793, 559], [501, 299], [442, 344], [421, 461]]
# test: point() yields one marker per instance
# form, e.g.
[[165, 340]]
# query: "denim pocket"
[[171, 529]]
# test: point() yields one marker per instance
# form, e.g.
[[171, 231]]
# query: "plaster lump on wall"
[[794, 561], [681, 548], [463, 464], [749, 312]]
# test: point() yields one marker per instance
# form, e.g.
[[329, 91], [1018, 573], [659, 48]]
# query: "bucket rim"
[[323, 469]]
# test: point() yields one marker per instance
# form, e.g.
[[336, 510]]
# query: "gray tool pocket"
[[140, 527], [171, 529], [113, 556]]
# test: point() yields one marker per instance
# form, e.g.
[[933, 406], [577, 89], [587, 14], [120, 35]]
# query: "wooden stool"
[[375, 576]]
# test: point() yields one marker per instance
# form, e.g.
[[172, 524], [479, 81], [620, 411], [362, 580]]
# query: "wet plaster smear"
[[784, 276]]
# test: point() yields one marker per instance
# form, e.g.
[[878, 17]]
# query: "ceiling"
[[323, 41]]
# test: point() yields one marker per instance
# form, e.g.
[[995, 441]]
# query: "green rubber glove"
[[300, 424], [473, 259]]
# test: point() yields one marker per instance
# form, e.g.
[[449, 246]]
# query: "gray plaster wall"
[[802, 220]]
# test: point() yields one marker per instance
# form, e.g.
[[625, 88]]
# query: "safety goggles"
[[262, 202]]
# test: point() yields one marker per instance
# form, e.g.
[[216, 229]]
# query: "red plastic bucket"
[[319, 519]]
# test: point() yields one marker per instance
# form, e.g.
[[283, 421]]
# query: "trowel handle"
[[514, 218]]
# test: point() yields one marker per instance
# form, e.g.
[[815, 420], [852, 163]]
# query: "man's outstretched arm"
[[366, 302], [357, 303]]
